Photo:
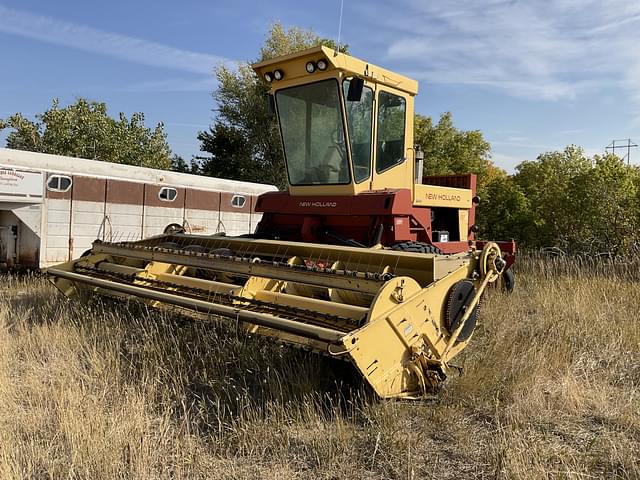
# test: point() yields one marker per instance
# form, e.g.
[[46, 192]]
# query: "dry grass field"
[[550, 389]]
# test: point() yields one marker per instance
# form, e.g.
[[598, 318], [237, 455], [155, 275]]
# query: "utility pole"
[[618, 144]]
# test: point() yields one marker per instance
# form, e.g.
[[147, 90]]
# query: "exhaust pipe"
[[419, 163]]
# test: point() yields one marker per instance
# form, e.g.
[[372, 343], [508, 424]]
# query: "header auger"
[[356, 261]]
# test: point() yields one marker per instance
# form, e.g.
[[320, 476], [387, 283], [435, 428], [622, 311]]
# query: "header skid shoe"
[[383, 310]]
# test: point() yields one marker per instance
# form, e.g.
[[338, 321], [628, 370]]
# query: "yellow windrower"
[[400, 317], [386, 311]]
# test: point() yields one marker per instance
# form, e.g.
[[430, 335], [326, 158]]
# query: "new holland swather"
[[361, 259]]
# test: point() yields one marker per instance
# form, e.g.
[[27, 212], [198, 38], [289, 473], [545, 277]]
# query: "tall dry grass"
[[93, 390]]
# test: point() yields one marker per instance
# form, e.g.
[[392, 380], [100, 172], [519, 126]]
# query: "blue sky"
[[532, 75]]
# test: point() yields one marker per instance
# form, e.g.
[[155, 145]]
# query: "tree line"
[[562, 199], [567, 200]]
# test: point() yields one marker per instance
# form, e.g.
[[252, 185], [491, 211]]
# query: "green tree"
[[282, 41], [549, 185], [580, 204], [504, 211], [448, 150], [608, 195], [84, 129], [179, 164], [244, 142]]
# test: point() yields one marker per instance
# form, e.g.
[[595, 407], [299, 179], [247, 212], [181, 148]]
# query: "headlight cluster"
[[321, 65], [275, 75]]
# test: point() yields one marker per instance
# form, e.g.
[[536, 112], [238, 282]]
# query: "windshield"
[[313, 134]]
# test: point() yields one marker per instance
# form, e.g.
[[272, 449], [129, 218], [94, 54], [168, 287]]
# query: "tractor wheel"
[[416, 247], [173, 228], [508, 281], [460, 297]]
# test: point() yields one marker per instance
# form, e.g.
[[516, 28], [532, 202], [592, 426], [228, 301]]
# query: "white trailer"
[[53, 207]]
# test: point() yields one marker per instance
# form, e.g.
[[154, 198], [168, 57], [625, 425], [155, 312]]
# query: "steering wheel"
[[338, 144]]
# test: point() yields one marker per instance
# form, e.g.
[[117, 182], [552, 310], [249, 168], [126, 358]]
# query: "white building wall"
[[123, 222], [156, 219], [74, 219], [203, 222], [254, 221], [58, 216], [86, 224], [233, 223]]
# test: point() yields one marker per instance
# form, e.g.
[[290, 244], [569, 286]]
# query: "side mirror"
[[271, 105], [354, 94]]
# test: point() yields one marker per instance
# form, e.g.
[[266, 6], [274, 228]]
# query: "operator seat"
[[333, 168]]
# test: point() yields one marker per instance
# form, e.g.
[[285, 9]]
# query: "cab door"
[[393, 149], [360, 113]]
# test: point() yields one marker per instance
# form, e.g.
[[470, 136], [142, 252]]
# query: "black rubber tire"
[[508, 281], [460, 295], [416, 247], [173, 228]]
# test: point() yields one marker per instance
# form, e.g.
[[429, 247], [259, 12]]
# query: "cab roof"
[[293, 66]]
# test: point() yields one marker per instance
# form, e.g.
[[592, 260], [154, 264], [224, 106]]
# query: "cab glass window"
[[167, 194], [59, 183], [391, 130], [313, 134], [359, 119]]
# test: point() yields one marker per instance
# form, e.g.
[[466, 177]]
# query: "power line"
[[617, 144]]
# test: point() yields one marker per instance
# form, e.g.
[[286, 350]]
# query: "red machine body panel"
[[374, 217], [383, 216]]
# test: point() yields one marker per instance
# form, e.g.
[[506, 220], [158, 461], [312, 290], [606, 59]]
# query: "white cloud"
[[526, 143], [204, 84], [538, 49], [507, 161], [58, 32]]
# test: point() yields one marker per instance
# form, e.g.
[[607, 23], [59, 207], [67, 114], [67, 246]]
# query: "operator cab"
[[347, 133], [346, 125]]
